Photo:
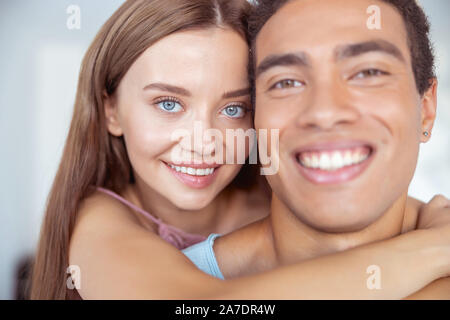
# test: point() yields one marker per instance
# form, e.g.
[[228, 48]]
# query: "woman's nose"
[[201, 139]]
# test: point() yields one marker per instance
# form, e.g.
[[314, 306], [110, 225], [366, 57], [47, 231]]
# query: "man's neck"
[[294, 241]]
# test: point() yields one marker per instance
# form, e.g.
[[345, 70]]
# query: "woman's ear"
[[111, 114], [428, 113]]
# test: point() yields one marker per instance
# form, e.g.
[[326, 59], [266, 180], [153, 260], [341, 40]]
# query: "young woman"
[[122, 206]]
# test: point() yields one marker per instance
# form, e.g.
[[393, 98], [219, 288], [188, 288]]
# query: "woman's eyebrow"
[[236, 93], [356, 49], [168, 88], [184, 92]]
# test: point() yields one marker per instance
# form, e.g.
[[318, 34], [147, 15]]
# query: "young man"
[[352, 100]]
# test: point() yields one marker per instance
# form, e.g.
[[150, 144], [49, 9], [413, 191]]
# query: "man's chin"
[[340, 222]]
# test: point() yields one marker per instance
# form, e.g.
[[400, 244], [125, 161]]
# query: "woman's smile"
[[193, 175]]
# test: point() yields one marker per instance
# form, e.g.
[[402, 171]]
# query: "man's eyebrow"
[[356, 49], [168, 88], [289, 59], [237, 93]]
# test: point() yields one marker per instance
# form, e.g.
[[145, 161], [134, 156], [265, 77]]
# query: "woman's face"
[[173, 105]]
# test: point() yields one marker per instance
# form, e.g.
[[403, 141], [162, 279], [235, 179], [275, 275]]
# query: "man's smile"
[[333, 162]]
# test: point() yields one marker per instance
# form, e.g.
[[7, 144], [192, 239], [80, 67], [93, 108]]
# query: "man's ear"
[[428, 113], [111, 114]]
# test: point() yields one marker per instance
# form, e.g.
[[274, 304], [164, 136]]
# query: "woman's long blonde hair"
[[91, 156]]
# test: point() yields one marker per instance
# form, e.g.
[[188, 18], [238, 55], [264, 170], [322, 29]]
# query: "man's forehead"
[[327, 22]]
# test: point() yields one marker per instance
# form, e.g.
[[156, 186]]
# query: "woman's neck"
[[202, 221]]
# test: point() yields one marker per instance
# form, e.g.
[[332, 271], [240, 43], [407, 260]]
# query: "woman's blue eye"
[[234, 111], [170, 106]]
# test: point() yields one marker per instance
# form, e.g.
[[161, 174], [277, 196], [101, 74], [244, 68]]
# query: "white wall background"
[[39, 63]]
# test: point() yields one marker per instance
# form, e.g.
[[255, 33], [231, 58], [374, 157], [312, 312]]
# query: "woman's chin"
[[192, 202]]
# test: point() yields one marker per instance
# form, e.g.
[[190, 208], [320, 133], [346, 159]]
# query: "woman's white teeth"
[[332, 161], [193, 171]]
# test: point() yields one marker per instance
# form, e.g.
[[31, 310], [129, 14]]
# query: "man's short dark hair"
[[417, 27]]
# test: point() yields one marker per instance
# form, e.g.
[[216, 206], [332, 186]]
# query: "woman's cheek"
[[147, 138]]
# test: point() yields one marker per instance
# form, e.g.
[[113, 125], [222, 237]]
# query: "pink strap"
[[171, 234]]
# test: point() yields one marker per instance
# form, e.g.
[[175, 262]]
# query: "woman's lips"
[[197, 176], [330, 166]]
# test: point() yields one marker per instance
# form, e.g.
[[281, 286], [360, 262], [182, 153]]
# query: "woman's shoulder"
[[106, 237], [100, 207], [100, 214]]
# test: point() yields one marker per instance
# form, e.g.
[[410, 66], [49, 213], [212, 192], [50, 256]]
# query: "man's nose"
[[328, 106]]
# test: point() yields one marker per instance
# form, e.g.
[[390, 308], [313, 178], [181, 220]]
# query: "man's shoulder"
[[413, 207]]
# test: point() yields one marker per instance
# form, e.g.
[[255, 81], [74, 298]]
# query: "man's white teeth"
[[332, 161], [192, 171]]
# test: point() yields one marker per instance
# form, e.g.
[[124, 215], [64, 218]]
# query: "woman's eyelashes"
[[171, 105]]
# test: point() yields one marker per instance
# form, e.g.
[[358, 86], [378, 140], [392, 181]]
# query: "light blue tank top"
[[202, 255]]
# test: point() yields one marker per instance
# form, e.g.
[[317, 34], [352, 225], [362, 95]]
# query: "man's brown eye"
[[287, 83], [370, 73]]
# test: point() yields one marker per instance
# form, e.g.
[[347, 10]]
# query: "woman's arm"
[[118, 259], [438, 290], [406, 264]]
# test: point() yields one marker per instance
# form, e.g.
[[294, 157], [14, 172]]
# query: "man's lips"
[[333, 162]]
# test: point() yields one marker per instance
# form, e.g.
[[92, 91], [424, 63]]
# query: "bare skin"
[[262, 254], [121, 259], [239, 256], [228, 208]]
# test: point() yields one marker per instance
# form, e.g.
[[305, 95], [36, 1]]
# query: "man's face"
[[345, 101]]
